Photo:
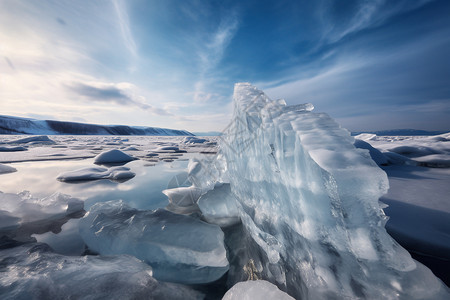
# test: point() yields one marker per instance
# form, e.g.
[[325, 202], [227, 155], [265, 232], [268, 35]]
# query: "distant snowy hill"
[[16, 125], [405, 132]]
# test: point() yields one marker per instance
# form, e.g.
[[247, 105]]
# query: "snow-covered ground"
[[418, 168], [289, 203]]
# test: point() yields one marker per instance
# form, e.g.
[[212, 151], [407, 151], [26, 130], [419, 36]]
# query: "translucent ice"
[[308, 202], [218, 206], [33, 271], [179, 248], [183, 199]]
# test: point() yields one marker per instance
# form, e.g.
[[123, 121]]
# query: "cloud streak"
[[119, 93], [125, 30]]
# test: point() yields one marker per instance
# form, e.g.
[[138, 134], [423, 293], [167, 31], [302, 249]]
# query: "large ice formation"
[[179, 248], [308, 201], [35, 272]]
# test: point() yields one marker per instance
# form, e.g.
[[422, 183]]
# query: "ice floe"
[[113, 156], [95, 173]]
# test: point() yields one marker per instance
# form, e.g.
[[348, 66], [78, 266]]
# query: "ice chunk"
[[218, 206], [179, 248], [366, 137], [33, 271], [375, 154], [113, 156], [95, 173], [22, 214], [308, 202], [255, 289], [6, 169], [183, 199]]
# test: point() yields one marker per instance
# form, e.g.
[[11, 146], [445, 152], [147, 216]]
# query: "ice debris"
[[95, 173], [308, 202], [179, 248], [33, 271], [113, 156]]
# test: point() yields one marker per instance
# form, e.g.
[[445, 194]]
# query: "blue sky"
[[371, 65]]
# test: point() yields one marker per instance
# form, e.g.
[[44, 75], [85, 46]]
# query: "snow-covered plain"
[[290, 200]]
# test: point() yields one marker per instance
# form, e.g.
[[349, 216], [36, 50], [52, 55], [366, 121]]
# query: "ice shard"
[[308, 201]]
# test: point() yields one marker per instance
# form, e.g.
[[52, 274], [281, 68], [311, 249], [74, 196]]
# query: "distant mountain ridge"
[[17, 125], [406, 132]]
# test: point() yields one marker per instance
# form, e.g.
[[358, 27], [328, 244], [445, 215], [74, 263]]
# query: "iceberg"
[[308, 200], [34, 271], [179, 248]]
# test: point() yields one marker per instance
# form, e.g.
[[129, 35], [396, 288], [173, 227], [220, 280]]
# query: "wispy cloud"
[[119, 93], [365, 14], [212, 52], [124, 23]]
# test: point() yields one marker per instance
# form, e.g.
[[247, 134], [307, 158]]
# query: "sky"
[[370, 64]]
